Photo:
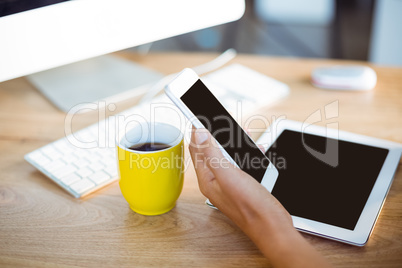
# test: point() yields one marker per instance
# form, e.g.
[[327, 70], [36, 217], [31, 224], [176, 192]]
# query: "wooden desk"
[[41, 225]]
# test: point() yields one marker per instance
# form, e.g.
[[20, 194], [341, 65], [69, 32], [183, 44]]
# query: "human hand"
[[250, 206], [234, 192]]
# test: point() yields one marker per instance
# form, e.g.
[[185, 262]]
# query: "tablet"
[[332, 182]]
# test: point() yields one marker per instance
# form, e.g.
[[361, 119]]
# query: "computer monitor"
[[38, 35]]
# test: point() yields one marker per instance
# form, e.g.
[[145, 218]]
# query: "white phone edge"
[[176, 88]]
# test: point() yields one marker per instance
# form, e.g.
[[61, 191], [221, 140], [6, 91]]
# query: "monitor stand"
[[108, 78]]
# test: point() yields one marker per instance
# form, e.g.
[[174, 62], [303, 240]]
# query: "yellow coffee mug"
[[151, 181]]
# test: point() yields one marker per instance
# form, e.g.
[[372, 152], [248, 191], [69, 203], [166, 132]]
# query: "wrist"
[[268, 218], [272, 231], [277, 239], [277, 228]]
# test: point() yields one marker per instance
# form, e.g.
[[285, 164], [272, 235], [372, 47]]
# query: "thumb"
[[205, 145]]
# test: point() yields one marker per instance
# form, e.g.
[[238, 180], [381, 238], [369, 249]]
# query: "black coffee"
[[149, 146]]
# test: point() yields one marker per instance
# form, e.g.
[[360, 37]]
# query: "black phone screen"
[[210, 112]]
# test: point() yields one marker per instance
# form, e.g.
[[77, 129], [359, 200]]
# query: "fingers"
[[204, 174], [206, 153]]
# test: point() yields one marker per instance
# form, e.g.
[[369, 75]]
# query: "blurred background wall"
[[342, 29]]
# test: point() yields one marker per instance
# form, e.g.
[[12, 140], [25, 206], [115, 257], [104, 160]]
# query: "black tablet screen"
[[310, 188]]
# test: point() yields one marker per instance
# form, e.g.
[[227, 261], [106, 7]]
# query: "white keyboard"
[[85, 161]]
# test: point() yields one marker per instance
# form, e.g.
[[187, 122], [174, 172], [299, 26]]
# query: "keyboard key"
[[112, 153], [54, 165], [49, 149], [113, 163], [64, 171], [70, 179], [96, 166], [64, 146], [84, 172], [81, 153], [90, 151], [80, 163], [107, 161], [70, 158], [111, 141], [40, 159], [35, 154], [82, 186], [93, 158], [84, 136], [103, 151], [112, 171], [99, 177], [51, 153]]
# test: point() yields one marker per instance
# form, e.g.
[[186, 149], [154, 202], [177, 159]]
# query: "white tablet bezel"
[[359, 236]]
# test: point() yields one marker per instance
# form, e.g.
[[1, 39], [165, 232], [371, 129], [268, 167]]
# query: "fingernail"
[[200, 136]]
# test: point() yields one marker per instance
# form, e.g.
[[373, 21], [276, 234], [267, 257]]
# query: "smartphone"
[[203, 109]]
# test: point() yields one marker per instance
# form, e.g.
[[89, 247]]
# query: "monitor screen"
[[15, 6], [37, 35]]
